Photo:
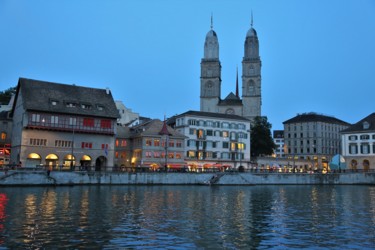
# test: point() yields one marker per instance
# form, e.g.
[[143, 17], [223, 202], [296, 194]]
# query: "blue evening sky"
[[317, 55]]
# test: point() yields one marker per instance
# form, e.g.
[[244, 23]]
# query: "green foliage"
[[6, 95], [261, 138]]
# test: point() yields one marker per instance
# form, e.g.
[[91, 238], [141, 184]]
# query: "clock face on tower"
[[209, 85], [229, 111]]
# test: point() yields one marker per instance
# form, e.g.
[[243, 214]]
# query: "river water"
[[188, 217]]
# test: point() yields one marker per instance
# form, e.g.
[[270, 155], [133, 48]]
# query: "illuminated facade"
[[358, 144], [5, 137], [62, 126], [144, 146], [215, 139], [313, 137]]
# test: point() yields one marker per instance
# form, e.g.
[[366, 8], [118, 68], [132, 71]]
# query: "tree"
[[6, 95], [261, 139]]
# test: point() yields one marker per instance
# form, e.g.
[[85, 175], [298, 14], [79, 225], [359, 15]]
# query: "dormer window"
[[85, 106], [53, 102], [100, 107], [71, 104], [366, 125]]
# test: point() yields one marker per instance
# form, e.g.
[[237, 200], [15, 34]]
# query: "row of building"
[[65, 126], [323, 140]]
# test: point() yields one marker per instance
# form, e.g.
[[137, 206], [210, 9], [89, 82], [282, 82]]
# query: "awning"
[[177, 165]]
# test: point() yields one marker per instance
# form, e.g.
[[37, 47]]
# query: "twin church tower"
[[249, 106]]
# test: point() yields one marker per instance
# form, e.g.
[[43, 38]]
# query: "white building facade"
[[358, 144], [215, 139]]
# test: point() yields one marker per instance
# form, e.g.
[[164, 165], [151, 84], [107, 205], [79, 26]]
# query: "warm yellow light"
[[86, 158], [52, 157], [69, 157], [33, 156]]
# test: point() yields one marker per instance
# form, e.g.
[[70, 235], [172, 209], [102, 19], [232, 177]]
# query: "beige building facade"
[[249, 104]]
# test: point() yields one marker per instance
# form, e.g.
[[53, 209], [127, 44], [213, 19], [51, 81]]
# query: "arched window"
[[251, 87]]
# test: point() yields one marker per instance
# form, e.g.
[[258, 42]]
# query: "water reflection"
[[188, 217]]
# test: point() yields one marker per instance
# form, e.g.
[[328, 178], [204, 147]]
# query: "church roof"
[[231, 99], [251, 32], [211, 34]]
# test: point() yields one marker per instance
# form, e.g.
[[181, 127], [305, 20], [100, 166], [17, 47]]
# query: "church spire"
[[237, 94], [251, 19], [212, 22]]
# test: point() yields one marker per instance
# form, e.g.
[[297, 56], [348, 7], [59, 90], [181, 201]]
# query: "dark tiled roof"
[[216, 115], [314, 117], [122, 131], [231, 99], [278, 134], [152, 128], [38, 96], [359, 126]]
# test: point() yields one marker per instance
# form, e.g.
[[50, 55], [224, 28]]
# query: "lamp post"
[[71, 156], [165, 133]]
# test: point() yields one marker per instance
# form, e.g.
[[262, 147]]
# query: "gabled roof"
[[53, 97], [367, 124], [152, 128], [231, 99], [314, 117], [212, 115]]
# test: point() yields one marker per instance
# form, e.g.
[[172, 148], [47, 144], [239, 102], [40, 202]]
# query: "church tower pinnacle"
[[251, 75], [210, 73]]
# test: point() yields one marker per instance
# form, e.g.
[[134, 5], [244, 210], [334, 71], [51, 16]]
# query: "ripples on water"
[[188, 217]]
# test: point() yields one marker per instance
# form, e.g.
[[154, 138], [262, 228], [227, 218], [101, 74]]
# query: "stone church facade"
[[249, 104]]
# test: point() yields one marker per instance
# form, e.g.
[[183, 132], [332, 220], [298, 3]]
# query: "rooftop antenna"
[[212, 22]]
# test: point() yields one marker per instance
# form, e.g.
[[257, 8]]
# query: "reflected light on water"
[[188, 217]]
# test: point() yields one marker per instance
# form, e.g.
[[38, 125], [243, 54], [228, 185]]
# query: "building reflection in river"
[[234, 217]]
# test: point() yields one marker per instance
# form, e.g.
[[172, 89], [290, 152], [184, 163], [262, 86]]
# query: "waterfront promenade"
[[55, 178]]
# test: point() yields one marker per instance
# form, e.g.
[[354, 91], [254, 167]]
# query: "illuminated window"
[[170, 155], [200, 133], [148, 142], [156, 154], [178, 155], [171, 143], [156, 142], [191, 154], [225, 134], [148, 154], [3, 136]]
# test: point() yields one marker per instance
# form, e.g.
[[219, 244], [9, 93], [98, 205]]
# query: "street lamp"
[[165, 134]]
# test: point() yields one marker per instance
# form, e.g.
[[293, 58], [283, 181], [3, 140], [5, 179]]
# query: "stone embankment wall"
[[112, 178]]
